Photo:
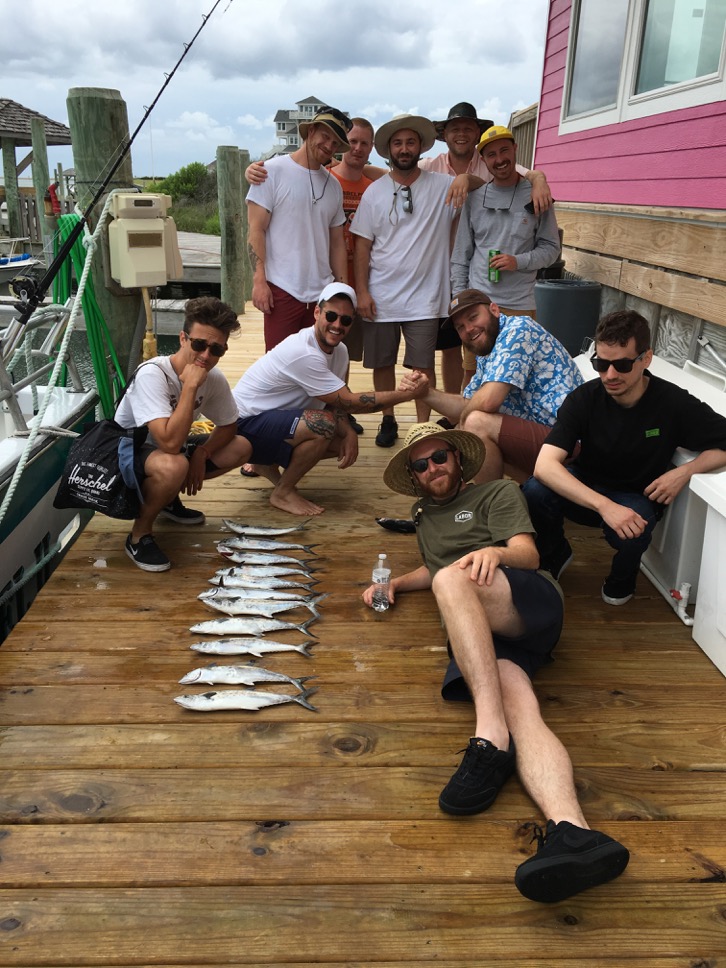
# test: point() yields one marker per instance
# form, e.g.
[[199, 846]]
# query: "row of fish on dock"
[[262, 582]]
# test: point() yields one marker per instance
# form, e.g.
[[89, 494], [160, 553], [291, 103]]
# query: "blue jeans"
[[548, 511]]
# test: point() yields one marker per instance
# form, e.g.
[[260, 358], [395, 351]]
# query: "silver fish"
[[252, 529], [248, 626], [240, 675], [259, 558], [253, 606], [241, 699], [258, 647], [262, 544], [241, 570], [271, 584], [222, 592]]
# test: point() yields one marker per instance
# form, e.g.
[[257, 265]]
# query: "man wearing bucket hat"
[[293, 403], [296, 219], [503, 619], [403, 229]]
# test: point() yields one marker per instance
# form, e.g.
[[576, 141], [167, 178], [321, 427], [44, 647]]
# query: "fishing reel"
[[27, 291]]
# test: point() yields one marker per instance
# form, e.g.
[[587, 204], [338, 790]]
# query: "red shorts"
[[520, 442], [288, 316]]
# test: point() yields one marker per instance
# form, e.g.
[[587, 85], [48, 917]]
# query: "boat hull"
[[34, 535]]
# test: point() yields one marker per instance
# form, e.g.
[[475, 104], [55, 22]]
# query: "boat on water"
[[14, 260]]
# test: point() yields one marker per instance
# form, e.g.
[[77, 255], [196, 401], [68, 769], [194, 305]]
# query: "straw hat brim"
[[422, 126], [472, 450]]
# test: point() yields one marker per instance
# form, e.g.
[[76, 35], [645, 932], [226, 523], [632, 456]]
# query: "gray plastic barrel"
[[569, 309]]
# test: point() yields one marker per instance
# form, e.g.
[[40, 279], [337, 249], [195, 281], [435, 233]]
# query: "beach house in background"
[[632, 135], [286, 125]]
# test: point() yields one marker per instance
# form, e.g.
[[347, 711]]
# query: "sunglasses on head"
[[438, 457], [344, 320], [200, 345], [624, 365]]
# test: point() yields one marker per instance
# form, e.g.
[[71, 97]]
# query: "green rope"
[[99, 339]]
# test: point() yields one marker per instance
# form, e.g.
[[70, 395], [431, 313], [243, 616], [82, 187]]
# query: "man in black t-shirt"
[[628, 423]]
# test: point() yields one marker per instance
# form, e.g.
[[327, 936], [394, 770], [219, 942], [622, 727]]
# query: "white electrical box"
[[142, 239]]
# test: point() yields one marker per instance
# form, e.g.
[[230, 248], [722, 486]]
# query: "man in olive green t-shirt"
[[503, 618]]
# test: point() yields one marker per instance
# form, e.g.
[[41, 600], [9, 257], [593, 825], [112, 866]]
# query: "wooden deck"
[[135, 832]]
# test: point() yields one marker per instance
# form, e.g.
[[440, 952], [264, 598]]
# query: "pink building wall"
[[675, 159]]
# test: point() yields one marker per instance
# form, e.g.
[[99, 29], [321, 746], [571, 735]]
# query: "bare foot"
[[293, 502]]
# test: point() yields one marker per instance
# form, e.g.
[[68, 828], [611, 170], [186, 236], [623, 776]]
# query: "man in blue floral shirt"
[[523, 374]]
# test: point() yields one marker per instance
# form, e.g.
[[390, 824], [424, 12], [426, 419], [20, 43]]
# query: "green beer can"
[[493, 274]]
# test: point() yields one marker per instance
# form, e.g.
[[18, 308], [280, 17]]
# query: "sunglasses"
[[344, 320], [200, 345], [338, 115], [438, 457], [624, 365], [405, 190]]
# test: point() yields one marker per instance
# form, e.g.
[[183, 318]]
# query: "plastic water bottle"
[[381, 579]]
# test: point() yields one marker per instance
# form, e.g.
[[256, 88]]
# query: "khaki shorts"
[[381, 342]]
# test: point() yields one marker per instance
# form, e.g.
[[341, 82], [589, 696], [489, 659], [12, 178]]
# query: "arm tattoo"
[[363, 403], [253, 257]]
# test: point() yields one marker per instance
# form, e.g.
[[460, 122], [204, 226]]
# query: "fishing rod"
[[32, 293]]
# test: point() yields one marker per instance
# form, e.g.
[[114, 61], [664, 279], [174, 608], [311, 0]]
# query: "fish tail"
[[304, 648], [303, 699], [306, 625], [309, 549]]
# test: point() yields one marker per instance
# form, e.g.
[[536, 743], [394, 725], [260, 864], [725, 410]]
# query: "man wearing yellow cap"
[[500, 216]]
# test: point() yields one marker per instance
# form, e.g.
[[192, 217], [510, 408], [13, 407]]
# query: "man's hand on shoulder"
[[541, 194], [256, 173]]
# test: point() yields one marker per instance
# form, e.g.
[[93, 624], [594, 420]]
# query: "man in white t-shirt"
[[403, 228], [166, 395], [295, 236], [293, 403]]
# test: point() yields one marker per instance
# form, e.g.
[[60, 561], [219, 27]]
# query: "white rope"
[[90, 242]]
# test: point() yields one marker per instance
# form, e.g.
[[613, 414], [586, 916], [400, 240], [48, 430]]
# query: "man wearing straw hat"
[[503, 618]]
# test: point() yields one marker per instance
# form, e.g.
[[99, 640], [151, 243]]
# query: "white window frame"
[[630, 106]]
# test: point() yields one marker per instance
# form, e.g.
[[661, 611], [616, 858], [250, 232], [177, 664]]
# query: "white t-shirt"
[[297, 242], [291, 376], [409, 264], [155, 393]]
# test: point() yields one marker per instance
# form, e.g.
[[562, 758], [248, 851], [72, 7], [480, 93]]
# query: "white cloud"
[[415, 56]]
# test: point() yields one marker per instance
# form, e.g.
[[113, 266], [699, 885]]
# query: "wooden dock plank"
[[134, 832]]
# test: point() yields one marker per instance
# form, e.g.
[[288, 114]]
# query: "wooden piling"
[[12, 194], [99, 126], [231, 211], [41, 180]]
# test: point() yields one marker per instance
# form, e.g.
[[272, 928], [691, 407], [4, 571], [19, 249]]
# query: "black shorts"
[[540, 606], [448, 338]]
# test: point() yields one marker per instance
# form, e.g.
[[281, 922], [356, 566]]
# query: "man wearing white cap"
[[295, 237], [293, 402], [403, 228]]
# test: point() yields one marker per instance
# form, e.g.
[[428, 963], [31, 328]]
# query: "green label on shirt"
[[655, 432]]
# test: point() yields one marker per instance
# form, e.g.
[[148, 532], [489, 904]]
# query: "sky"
[[411, 56]]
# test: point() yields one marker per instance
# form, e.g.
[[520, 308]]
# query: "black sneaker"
[[569, 859], [482, 774], [558, 562], [388, 432], [399, 525], [354, 424], [181, 515], [146, 554], [617, 591]]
